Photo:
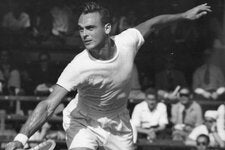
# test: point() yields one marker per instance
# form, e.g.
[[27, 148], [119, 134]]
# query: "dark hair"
[[90, 7], [189, 91], [204, 136], [151, 92]]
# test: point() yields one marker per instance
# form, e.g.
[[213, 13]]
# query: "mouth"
[[86, 42]]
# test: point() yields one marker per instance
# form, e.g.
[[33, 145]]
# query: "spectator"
[[10, 82], [208, 128], [167, 80], [221, 121], [16, 19], [62, 20], [185, 115], [41, 21], [10, 76], [150, 116], [202, 142], [44, 74], [208, 79], [16, 24]]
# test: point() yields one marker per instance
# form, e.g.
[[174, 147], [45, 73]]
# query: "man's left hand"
[[197, 12]]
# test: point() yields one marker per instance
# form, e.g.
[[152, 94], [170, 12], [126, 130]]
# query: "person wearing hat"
[[150, 117], [208, 128]]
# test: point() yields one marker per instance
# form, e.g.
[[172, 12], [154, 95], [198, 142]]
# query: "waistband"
[[96, 114]]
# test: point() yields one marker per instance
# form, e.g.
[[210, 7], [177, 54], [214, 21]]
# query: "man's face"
[[44, 60], [184, 100], [92, 31], [184, 97], [4, 56], [209, 122], [152, 102], [202, 143]]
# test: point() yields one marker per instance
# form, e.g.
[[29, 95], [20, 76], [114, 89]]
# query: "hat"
[[211, 114]]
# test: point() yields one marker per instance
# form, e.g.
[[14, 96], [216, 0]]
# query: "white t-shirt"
[[103, 86], [144, 118]]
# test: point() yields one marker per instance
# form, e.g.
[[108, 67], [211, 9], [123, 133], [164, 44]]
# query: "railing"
[[143, 144]]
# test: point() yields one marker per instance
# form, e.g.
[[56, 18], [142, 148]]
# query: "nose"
[[84, 34]]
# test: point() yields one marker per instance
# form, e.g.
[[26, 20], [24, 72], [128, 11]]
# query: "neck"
[[188, 104], [106, 52]]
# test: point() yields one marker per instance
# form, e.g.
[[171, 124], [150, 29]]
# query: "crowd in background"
[[179, 64]]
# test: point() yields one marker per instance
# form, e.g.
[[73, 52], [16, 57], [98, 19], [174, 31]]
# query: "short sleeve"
[[132, 37], [163, 114], [136, 116], [69, 78]]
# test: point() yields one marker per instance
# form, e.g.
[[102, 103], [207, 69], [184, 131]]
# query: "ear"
[[108, 28]]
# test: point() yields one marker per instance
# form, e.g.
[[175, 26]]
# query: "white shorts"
[[111, 133]]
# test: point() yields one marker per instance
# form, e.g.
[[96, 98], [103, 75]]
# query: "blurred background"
[[39, 37]]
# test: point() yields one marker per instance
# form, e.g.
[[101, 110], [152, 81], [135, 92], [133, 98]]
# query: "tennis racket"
[[46, 145]]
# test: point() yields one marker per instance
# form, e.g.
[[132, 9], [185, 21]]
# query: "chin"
[[89, 47]]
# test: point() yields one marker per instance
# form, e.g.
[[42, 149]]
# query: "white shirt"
[[103, 86], [221, 121], [144, 118]]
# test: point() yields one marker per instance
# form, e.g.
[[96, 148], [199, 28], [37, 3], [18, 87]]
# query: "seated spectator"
[[208, 80], [150, 117], [10, 76], [16, 25], [167, 80], [202, 142], [185, 115], [221, 121], [10, 82], [16, 19], [208, 128], [44, 74], [63, 22], [41, 22]]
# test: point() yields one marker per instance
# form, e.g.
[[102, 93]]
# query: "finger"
[[204, 7], [201, 14], [207, 8], [205, 4]]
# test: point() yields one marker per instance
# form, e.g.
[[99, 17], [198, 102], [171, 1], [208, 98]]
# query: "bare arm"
[[156, 23], [43, 111], [40, 115]]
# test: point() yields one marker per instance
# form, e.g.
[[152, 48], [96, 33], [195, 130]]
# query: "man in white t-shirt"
[[150, 116], [101, 74]]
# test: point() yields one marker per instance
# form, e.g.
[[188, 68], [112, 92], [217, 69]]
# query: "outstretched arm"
[[40, 115], [156, 23]]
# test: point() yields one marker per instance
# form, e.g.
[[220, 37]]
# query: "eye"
[[80, 29], [90, 28]]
